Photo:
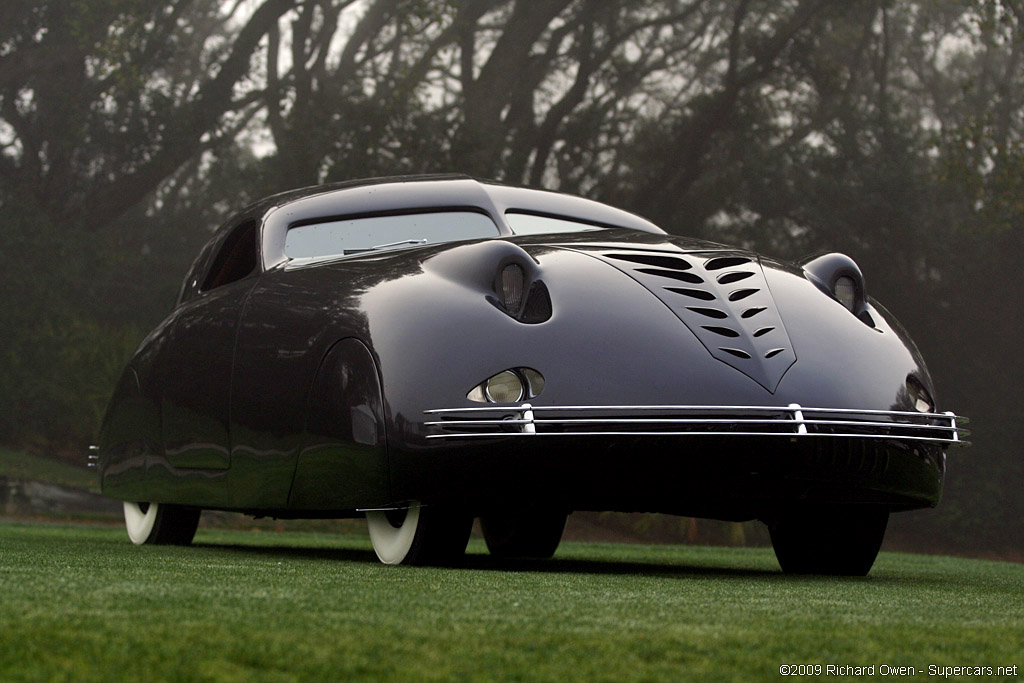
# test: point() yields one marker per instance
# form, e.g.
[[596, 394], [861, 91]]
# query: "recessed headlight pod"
[[508, 386], [839, 276], [505, 274]]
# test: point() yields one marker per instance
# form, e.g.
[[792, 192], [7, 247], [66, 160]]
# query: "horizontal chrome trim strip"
[[794, 421], [792, 435], [671, 421], [704, 408]]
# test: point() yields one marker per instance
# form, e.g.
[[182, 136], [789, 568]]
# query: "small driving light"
[[846, 292], [505, 387], [508, 386]]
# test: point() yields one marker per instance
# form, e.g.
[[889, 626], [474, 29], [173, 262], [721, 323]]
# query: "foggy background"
[[891, 131]]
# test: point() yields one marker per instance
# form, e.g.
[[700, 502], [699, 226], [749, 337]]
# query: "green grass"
[[25, 466], [80, 603]]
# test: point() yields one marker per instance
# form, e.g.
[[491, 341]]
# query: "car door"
[[196, 363]]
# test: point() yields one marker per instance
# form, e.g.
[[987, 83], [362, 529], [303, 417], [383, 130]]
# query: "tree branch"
[[684, 166], [196, 119]]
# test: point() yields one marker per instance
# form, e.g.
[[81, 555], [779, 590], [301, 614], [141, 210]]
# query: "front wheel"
[[160, 524], [837, 541], [523, 533], [420, 535]]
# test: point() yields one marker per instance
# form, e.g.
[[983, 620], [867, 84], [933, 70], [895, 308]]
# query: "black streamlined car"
[[428, 350]]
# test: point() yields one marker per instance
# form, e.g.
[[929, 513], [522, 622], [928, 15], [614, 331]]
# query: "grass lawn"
[[80, 603]]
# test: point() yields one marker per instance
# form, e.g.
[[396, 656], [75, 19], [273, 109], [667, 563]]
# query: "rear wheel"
[[160, 524], [420, 535], [838, 541], [527, 533]]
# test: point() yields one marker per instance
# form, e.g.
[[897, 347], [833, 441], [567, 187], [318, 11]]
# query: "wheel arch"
[[131, 430], [343, 460]]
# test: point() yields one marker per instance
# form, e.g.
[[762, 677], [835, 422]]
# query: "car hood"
[[632, 315], [719, 293]]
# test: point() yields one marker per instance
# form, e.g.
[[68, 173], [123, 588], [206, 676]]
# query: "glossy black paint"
[[300, 389]]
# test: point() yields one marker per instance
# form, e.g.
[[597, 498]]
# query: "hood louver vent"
[[725, 303]]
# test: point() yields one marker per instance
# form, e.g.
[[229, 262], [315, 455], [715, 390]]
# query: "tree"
[[103, 101]]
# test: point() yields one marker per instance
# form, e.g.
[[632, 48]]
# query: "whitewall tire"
[[160, 523], [139, 519], [419, 535], [392, 543]]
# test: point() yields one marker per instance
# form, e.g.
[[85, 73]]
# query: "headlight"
[[846, 292], [512, 280], [521, 294], [508, 386]]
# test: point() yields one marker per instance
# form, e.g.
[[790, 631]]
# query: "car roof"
[[423, 192], [441, 190]]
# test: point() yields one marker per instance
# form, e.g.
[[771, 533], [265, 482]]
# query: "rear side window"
[[379, 233], [237, 257]]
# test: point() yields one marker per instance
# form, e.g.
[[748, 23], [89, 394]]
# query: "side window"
[[236, 259], [535, 224]]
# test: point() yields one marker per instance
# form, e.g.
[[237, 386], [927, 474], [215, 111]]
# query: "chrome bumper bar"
[[792, 421]]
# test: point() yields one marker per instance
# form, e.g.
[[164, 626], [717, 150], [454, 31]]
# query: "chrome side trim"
[[792, 421]]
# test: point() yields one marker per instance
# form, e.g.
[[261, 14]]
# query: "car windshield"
[[532, 224], [379, 233]]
